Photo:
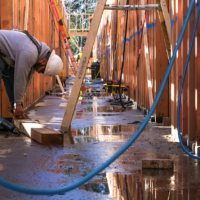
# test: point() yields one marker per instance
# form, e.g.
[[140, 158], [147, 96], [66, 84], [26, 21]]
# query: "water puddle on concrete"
[[60, 95], [148, 184], [144, 184], [99, 133], [93, 110], [99, 95], [98, 186], [66, 164]]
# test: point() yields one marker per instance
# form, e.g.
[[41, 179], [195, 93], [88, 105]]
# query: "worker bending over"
[[20, 56]]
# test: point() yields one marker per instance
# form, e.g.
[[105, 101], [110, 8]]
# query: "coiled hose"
[[25, 190]]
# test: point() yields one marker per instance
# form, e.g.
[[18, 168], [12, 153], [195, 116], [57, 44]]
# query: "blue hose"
[[181, 88], [25, 190]]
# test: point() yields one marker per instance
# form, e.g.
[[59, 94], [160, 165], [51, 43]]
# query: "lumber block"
[[157, 164], [27, 127], [39, 132], [153, 119], [18, 123], [47, 136]]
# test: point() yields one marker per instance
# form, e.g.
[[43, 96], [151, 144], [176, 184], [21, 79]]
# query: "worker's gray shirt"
[[24, 53]]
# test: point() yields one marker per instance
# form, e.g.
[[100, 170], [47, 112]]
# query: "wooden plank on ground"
[[83, 65], [39, 132]]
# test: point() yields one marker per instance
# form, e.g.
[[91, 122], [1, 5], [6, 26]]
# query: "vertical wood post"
[[6, 22], [184, 100], [148, 71], [162, 109], [179, 65], [26, 15], [173, 74], [131, 54], [191, 82], [197, 53], [134, 56]]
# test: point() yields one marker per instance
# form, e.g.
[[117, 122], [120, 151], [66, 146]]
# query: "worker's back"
[[24, 53], [12, 43]]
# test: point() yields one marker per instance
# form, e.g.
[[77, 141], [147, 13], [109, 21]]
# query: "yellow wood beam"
[[66, 123]]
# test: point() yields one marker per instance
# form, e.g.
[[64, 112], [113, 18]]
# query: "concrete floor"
[[99, 129]]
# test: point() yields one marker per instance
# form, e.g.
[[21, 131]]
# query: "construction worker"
[[20, 56], [79, 56]]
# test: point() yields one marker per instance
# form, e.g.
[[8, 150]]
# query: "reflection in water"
[[103, 133], [109, 109], [98, 186], [132, 187], [84, 139]]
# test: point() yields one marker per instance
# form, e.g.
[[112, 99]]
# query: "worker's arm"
[[23, 68], [19, 112]]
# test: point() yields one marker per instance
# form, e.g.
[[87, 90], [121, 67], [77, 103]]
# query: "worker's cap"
[[54, 65]]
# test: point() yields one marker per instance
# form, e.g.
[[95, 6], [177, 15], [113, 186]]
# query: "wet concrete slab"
[[99, 130]]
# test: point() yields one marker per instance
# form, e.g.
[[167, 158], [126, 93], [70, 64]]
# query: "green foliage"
[[75, 7], [80, 6]]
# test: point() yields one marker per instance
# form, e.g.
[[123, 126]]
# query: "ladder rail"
[[64, 32], [65, 35]]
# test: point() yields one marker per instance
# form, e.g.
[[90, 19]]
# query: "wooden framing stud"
[[83, 66], [148, 69], [60, 84]]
